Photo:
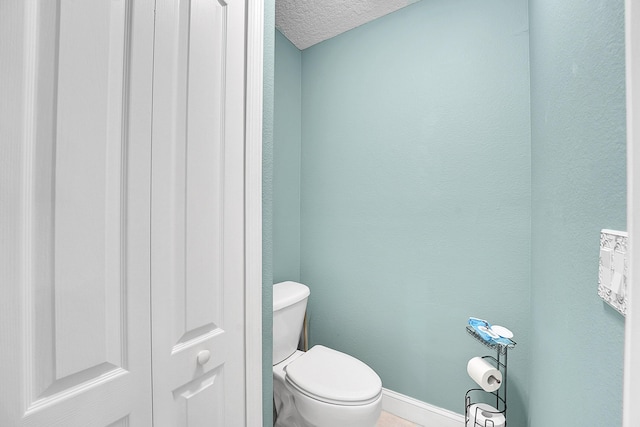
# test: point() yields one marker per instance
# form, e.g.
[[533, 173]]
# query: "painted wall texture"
[[578, 182], [433, 188], [286, 160], [416, 193], [267, 211]]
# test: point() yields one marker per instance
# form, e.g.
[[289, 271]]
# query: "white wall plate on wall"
[[612, 272]]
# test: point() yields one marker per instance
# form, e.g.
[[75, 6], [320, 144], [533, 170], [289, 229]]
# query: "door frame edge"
[[253, 211], [632, 322]]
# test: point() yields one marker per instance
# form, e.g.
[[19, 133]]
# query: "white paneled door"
[[122, 213], [76, 167], [198, 214]]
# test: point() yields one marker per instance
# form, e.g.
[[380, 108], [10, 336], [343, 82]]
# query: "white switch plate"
[[612, 273]]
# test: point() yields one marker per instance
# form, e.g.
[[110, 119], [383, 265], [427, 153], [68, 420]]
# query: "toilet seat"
[[333, 377]]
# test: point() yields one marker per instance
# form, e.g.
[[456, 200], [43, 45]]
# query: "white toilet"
[[322, 387]]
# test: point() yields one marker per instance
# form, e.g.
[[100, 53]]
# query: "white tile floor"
[[389, 420]]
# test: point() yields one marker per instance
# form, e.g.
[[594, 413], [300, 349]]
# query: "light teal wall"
[[267, 212], [416, 193], [286, 160], [578, 152]]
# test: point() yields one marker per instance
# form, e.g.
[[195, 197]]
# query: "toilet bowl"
[[321, 387]]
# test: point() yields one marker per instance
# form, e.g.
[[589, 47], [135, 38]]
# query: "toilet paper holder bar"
[[475, 413], [478, 395]]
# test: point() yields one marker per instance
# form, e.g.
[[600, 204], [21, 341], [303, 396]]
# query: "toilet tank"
[[289, 305]]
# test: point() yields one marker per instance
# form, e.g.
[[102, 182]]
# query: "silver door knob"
[[203, 357]]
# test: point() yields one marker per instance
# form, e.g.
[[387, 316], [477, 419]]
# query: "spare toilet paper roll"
[[481, 414], [484, 374]]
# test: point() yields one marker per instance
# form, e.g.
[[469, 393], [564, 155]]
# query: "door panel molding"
[[198, 246], [75, 308], [48, 109]]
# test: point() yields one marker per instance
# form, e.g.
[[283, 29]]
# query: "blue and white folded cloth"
[[483, 329]]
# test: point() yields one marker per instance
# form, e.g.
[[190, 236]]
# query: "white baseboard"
[[419, 412]]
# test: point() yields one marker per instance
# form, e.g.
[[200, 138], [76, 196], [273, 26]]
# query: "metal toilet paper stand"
[[478, 395]]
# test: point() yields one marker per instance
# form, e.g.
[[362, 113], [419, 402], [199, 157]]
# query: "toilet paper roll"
[[484, 374], [481, 414]]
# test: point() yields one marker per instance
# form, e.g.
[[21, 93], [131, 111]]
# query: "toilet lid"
[[334, 377]]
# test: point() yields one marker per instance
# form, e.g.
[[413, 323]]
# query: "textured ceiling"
[[307, 22]]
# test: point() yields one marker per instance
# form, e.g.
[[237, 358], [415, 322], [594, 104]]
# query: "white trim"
[[253, 213], [419, 412], [632, 331]]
